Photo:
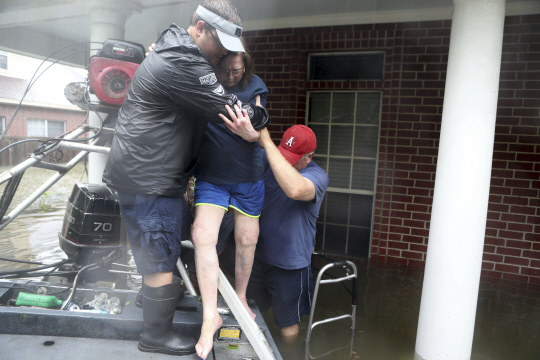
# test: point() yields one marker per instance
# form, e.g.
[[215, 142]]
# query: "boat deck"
[[27, 347], [28, 331]]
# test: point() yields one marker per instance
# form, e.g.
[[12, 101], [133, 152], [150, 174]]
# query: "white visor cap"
[[229, 34]]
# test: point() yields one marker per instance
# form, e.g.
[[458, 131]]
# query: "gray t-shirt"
[[287, 227]]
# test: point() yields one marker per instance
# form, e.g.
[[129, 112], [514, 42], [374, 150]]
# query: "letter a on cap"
[[290, 141]]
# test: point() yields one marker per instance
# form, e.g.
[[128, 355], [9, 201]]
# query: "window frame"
[[352, 158], [341, 54], [46, 127]]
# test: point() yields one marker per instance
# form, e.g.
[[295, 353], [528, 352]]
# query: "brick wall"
[[413, 91], [512, 246]]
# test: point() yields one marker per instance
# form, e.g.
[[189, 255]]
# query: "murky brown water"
[[508, 316]]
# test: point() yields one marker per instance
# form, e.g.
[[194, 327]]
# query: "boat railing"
[[13, 176]]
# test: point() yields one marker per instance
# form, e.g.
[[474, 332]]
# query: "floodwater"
[[507, 322], [33, 235]]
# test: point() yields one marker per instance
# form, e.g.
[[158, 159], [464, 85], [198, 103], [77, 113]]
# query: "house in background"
[[44, 111], [373, 94], [378, 129], [381, 132]]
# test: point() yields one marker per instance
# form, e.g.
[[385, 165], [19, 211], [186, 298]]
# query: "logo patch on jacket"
[[219, 90], [232, 100], [209, 79]]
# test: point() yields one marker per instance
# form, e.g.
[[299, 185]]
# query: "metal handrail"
[[182, 269]]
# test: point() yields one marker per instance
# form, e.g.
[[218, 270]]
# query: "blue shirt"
[[287, 226], [226, 158]]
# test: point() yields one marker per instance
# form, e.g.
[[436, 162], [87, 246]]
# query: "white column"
[[460, 201], [107, 21]]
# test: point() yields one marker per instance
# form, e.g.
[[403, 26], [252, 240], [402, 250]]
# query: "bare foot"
[[206, 341], [244, 301]]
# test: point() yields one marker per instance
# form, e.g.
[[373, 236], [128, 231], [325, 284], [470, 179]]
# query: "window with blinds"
[[347, 128], [45, 128]]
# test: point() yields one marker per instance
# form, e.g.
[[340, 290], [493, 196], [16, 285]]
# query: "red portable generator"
[[111, 70]]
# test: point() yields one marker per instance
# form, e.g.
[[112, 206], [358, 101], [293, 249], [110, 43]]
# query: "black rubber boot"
[[159, 305], [139, 298]]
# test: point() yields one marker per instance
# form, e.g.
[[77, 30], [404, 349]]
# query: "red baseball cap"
[[297, 141]]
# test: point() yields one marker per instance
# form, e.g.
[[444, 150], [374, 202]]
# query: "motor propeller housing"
[[92, 222]]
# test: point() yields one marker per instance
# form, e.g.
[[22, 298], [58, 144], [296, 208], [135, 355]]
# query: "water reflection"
[[507, 323], [32, 236]]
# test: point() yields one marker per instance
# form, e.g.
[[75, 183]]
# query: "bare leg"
[[246, 234], [289, 335], [289, 331], [205, 235]]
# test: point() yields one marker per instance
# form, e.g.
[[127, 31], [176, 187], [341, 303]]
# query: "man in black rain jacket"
[[172, 96]]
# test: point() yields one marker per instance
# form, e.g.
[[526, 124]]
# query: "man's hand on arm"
[[289, 179], [259, 117], [240, 124]]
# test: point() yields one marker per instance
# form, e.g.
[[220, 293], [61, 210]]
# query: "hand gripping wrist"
[[260, 118]]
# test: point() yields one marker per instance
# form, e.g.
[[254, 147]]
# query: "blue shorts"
[[288, 292], [154, 228], [247, 198]]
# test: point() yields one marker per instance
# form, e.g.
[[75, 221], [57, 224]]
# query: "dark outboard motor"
[[91, 225]]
